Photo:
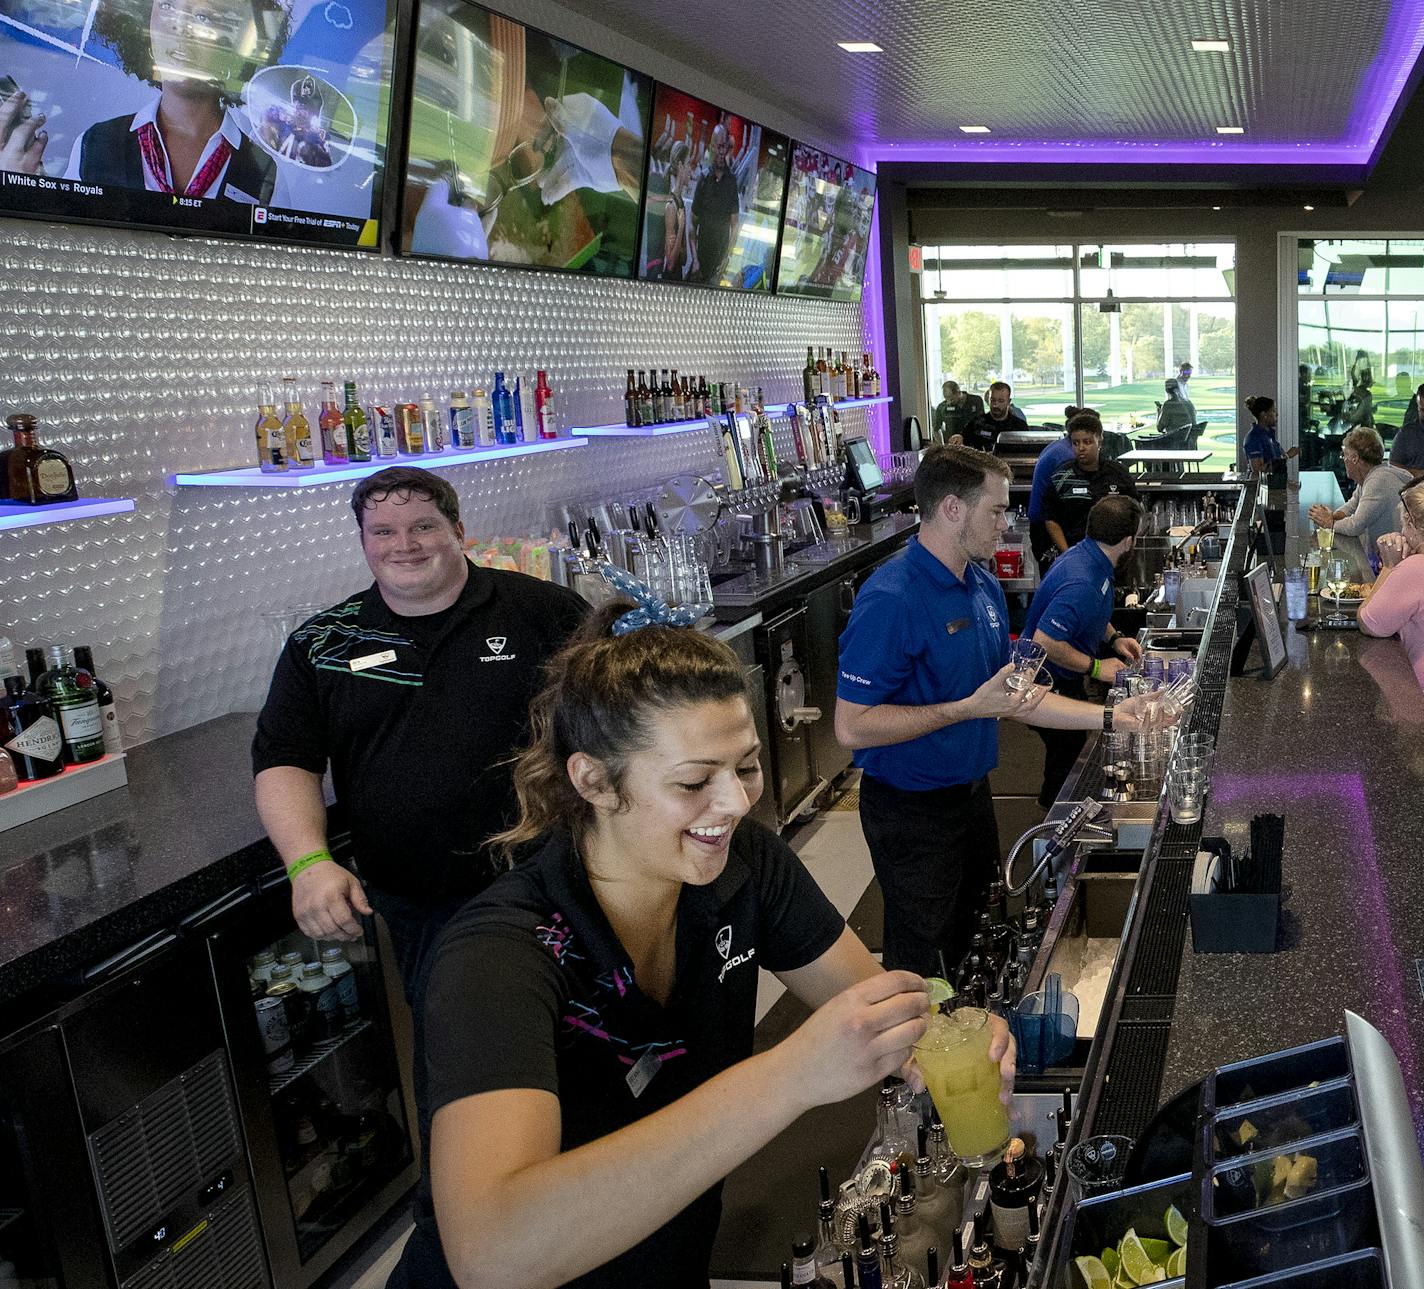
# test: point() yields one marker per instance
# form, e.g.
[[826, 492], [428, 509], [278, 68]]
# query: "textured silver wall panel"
[[143, 354]]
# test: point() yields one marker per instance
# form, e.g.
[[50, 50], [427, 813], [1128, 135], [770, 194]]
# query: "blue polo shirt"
[[1050, 461], [1262, 442], [919, 635], [1074, 603]]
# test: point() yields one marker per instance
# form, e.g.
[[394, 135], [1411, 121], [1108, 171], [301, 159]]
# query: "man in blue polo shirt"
[[1050, 461], [923, 679], [1071, 617]]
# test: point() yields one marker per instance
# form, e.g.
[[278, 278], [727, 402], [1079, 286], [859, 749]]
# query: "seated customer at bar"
[[589, 1018], [1071, 617], [1075, 488], [1262, 448], [1394, 602], [1373, 507]]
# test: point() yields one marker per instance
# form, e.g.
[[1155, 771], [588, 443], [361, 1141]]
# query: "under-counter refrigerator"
[[316, 1078]]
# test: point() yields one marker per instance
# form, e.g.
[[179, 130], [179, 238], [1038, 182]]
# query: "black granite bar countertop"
[[1335, 743], [84, 882]]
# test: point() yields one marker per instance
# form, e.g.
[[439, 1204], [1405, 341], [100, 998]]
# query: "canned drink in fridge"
[[410, 429], [276, 1037]]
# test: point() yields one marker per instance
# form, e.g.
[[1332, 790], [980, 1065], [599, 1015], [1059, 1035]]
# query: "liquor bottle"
[[890, 1142], [837, 380], [665, 394], [516, 399], [981, 1257], [894, 1273], [482, 414], [914, 1233], [647, 413], [828, 1250], [823, 375], [296, 430], [785, 1275], [108, 713], [938, 1207], [37, 664], [630, 403], [433, 422], [689, 399], [848, 1270], [332, 427], [384, 434], [76, 707], [960, 1276], [803, 1266], [941, 1157], [1030, 1249], [765, 440], [932, 1268], [462, 421], [867, 1257], [873, 378], [358, 430], [29, 473], [808, 377], [856, 380], [845, 376], [676, 403], [503, 401], [30, 733], [544, 407]]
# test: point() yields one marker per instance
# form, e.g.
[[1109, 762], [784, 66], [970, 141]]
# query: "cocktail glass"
[[964, 1084], [1325, 538]]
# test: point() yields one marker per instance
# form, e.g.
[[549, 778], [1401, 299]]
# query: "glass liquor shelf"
[[621, 431], [14, 514], [252, 477], [318, 1053]]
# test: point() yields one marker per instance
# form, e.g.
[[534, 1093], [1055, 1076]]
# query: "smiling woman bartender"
[[589, 1017]]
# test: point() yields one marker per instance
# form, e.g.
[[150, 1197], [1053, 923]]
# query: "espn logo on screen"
[[259, 216]]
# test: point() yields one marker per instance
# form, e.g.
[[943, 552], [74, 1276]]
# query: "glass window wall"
[[1104, 326]]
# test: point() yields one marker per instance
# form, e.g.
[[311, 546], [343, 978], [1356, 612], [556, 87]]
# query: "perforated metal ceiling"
[[1299, 73]]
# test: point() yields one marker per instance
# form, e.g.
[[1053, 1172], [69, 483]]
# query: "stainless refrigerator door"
[[318, 1090]]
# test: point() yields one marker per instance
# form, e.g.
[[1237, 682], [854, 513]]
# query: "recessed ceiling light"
[[1231, 129], [1216, 208], [1212, 46], [1310, 208], [974, 129], [860, 46]]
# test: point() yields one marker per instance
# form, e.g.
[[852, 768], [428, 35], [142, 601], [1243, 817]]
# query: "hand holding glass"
[[1028, 658], [964, 1083]]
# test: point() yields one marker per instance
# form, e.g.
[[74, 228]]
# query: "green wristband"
[[306, 862], [1093, 670]]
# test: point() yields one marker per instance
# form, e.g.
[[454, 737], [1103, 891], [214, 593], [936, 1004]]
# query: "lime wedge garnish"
[[1094, 1274], [1111, 1261], [1141, 1269], [1177, 1263], [1158, 1250], [941, 991], [1176, 1226]]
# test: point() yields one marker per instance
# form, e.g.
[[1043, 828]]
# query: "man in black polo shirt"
[[984, 430], [1088, 478], [716, 212], [415, 691]]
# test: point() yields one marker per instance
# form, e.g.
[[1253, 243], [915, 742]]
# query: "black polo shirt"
[[417, 718], [1073, 491], [983, 431], [530, 988]]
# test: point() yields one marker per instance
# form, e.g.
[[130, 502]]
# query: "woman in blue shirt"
[[1263, 448]]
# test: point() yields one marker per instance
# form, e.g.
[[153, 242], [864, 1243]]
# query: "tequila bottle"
[[29, 473]]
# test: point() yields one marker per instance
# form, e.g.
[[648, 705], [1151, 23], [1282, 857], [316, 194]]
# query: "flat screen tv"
[[522, 149], [246, 118], [826, 232], [714, 191]]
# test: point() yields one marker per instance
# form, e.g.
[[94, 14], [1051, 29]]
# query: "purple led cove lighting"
[[1353, 806], [1380, 87], [872, 309]]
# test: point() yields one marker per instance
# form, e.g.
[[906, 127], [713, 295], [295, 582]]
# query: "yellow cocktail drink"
[[964, 1083]]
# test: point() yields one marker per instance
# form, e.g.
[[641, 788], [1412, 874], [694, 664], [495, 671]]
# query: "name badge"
[[957, 625], [372, 660], [642, 1073]]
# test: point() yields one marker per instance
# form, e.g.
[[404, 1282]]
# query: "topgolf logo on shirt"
[[496, 645], [724, 947]]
